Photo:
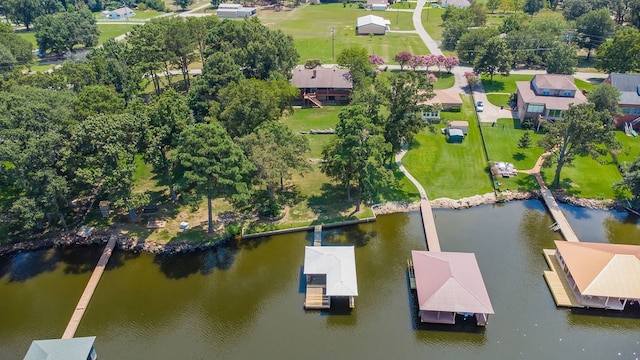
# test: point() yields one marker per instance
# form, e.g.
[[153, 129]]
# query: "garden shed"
[[454, 135]]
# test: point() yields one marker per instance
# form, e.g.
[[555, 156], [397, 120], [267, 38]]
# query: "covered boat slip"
[[448, 284], [330, 273], [593, 275]]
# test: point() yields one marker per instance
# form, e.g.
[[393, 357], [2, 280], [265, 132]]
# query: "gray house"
[[62, 349], [234, 11], [372, 24], [122, 13]]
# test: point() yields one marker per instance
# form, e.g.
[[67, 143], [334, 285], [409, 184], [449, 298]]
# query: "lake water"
[[247, 301]]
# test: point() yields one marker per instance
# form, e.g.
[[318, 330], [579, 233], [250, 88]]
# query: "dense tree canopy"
[[63, 31], [562, 59], [619, 55], [495, 57], [594, 28]]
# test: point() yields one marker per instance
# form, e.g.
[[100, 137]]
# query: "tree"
[[493, 5], [619, 55], [149, 54], [512, 22], [168, 117], [276, 152], [478, 13], [525, 140], [471, 42], [214, 165], [355, 156], [494, 58], [62, 31], [605, 97], [472, 79], [249, 103], [621, 9], [593, 29], [407, 90], [533, 6], [356, 59], [17, 49], [114, 64], [453, 31], [95, 100], [580, 132], [183, 4], [631, 181], [25, 11], [178, 41], [403, 58], [562, 59], [573, 9]]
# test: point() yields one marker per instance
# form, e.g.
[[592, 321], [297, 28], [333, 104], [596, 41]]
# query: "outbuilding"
[[234, 11], [372, 24], [122, 13], [377, 5], [460, 125], [454, 135]]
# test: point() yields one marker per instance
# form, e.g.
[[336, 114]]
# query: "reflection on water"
[[246, 300]]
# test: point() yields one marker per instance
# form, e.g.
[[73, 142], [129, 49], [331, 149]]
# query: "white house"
[[122, 13], [377, 5], [456, 3], [231, 11], [372, 24]]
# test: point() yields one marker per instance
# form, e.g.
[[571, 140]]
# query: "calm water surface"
[[246, 302]]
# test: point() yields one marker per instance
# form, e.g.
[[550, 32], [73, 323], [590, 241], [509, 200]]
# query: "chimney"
[[314, 74]]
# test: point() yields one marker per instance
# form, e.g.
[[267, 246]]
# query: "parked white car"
[[479, 106]]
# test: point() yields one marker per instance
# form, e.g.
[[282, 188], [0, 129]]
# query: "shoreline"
[[129, 244]]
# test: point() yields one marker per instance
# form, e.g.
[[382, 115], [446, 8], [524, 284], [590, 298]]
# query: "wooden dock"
[[78, 313], [317, 235], [556, 212], [316, 298], [429, 224], [560, 288]]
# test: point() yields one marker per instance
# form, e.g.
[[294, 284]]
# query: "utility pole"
[[333, 42]]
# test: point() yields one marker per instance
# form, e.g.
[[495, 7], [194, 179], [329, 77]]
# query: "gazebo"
[[450, 284], [595, 275], [62, 349], [330, 273]]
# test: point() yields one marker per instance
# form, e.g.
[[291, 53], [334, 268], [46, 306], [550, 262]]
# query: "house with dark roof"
[[629, 103], [321, 84], [547, 96], [62, 349], [594, 275]]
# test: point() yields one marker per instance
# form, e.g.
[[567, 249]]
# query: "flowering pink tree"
[[472, 79], [441, 62], [450, 62], [403, 58], [430, 60], [431, 78], [416, 60], [376, 60]]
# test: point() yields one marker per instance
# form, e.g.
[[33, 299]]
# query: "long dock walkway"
[[557, 215], [78, 313], [317, 235], [428, 222]]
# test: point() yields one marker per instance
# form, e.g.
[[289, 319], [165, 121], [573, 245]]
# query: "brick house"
[[629, 103], [547, 96]]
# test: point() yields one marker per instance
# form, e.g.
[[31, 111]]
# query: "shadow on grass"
[[493, 86], [519, 156], [331, 202], [527, 183]]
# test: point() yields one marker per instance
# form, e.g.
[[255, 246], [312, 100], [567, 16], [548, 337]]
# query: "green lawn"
[[30, 36], [311, 27], [450, 170], [140, 15], [502, 145], [445, 81], [630, 147], [587, 178], [499, 99], [584, 85], [111, 31], [404, 5], [432, 22], [314, 118], [503, 84]]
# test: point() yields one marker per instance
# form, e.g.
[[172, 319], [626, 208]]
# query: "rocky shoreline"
[[128, 244]]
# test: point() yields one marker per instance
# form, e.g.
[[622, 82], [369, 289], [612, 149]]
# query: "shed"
[[62, 349], [121, 13], [377, 5], [460, 125], [232, 11], [454, 135], [372, 24], [448, 284]]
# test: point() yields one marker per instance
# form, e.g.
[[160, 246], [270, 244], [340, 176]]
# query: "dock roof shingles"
[[325, 78], [608, 270], [450, 282]]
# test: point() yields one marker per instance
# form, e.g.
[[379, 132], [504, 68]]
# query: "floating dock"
[[558, 285], [78, 313], [315, 298]]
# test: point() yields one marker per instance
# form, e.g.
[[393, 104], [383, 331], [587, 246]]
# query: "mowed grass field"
[[630, 149], [311, 27], [450, 170]]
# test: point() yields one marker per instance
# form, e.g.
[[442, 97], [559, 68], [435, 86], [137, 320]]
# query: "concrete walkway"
[[549, 200], [78, 313], [428, 222]]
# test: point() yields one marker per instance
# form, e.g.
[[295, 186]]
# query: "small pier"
[[316, 298], [561, 221], [560, 288], [317, 235], [78, 313]]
